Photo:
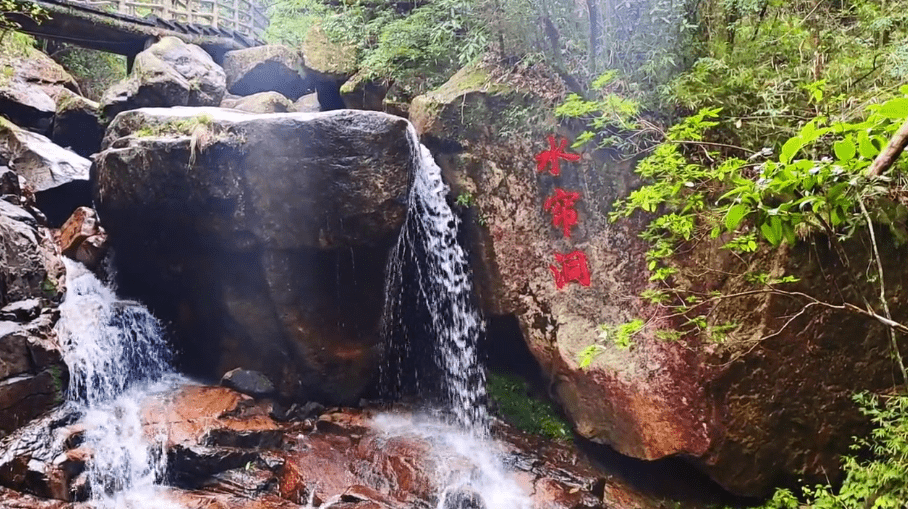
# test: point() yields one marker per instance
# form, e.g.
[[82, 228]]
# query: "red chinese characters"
[[562, 208], [573, 268], [552, 157]]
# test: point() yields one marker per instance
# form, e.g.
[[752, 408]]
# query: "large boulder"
[[770, 404], [29, 88], [327, 59], [77, 124], [271, 68], [169, 73], [57, 177], [263, 238]]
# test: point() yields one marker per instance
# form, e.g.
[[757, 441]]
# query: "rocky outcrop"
[[169, 73], [30, 86], [57, 177], [262, 102], [271, 68], [770, 403], [263, 238], [77, 125], [32, 373]]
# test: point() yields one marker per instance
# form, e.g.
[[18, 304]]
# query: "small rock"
[[262, 102], [83, 239], [249, 382], [307, 104], [21, 311], [9, 183]]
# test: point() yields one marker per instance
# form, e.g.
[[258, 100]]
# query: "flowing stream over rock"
[[472, 474], [428, 243], [117, 358]]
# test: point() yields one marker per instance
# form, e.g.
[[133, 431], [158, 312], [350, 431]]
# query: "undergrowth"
[[512, 401]]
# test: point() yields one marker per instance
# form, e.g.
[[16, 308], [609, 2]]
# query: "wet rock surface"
[[263, 238]]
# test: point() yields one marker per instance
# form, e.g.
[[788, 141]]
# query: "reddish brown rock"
[[83, 239], [767, 404]]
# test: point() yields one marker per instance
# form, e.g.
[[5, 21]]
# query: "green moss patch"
[[512, 400]]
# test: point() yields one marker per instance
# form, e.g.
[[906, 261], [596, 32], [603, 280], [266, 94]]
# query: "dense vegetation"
[[758, 124]]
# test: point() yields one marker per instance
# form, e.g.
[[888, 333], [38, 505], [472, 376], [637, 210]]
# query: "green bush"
[[95, 71]]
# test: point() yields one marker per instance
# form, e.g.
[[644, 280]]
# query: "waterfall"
[[428, 252], [117, 357]]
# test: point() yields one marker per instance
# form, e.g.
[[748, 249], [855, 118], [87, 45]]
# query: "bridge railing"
[[244, 16]]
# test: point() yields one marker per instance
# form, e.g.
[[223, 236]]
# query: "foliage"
[[877, 481], [180, 127], [95, 71], [22, 8], [512, 401]]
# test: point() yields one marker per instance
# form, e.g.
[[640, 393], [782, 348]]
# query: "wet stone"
[[248, 382]]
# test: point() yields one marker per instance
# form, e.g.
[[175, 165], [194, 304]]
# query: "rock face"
[[360, 93], [32, 373], [262, 237], [57, 177], [28, 94], [272, 68], [169, 73], [716, 404], [76, 124]]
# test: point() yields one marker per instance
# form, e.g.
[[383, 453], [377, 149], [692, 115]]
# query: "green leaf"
[[790, 148], [772, 230], [736, 214], [844, 149], [866, 147], [895, 108]]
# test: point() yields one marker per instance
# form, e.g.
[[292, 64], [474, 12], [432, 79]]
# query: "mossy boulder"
[[169, 73], [361, 92], [30, 83], [329, 60]]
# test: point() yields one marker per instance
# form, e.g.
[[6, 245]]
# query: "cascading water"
[[428, 247], [429, 263], [117, 357]]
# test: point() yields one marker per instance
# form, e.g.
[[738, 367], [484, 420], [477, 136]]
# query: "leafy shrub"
[[879, 479]]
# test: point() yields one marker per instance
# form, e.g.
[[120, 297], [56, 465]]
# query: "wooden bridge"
[[126, 27]]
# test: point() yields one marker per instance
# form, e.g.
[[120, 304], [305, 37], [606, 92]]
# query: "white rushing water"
[[445, 287], [466, 463], [117, 357]]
